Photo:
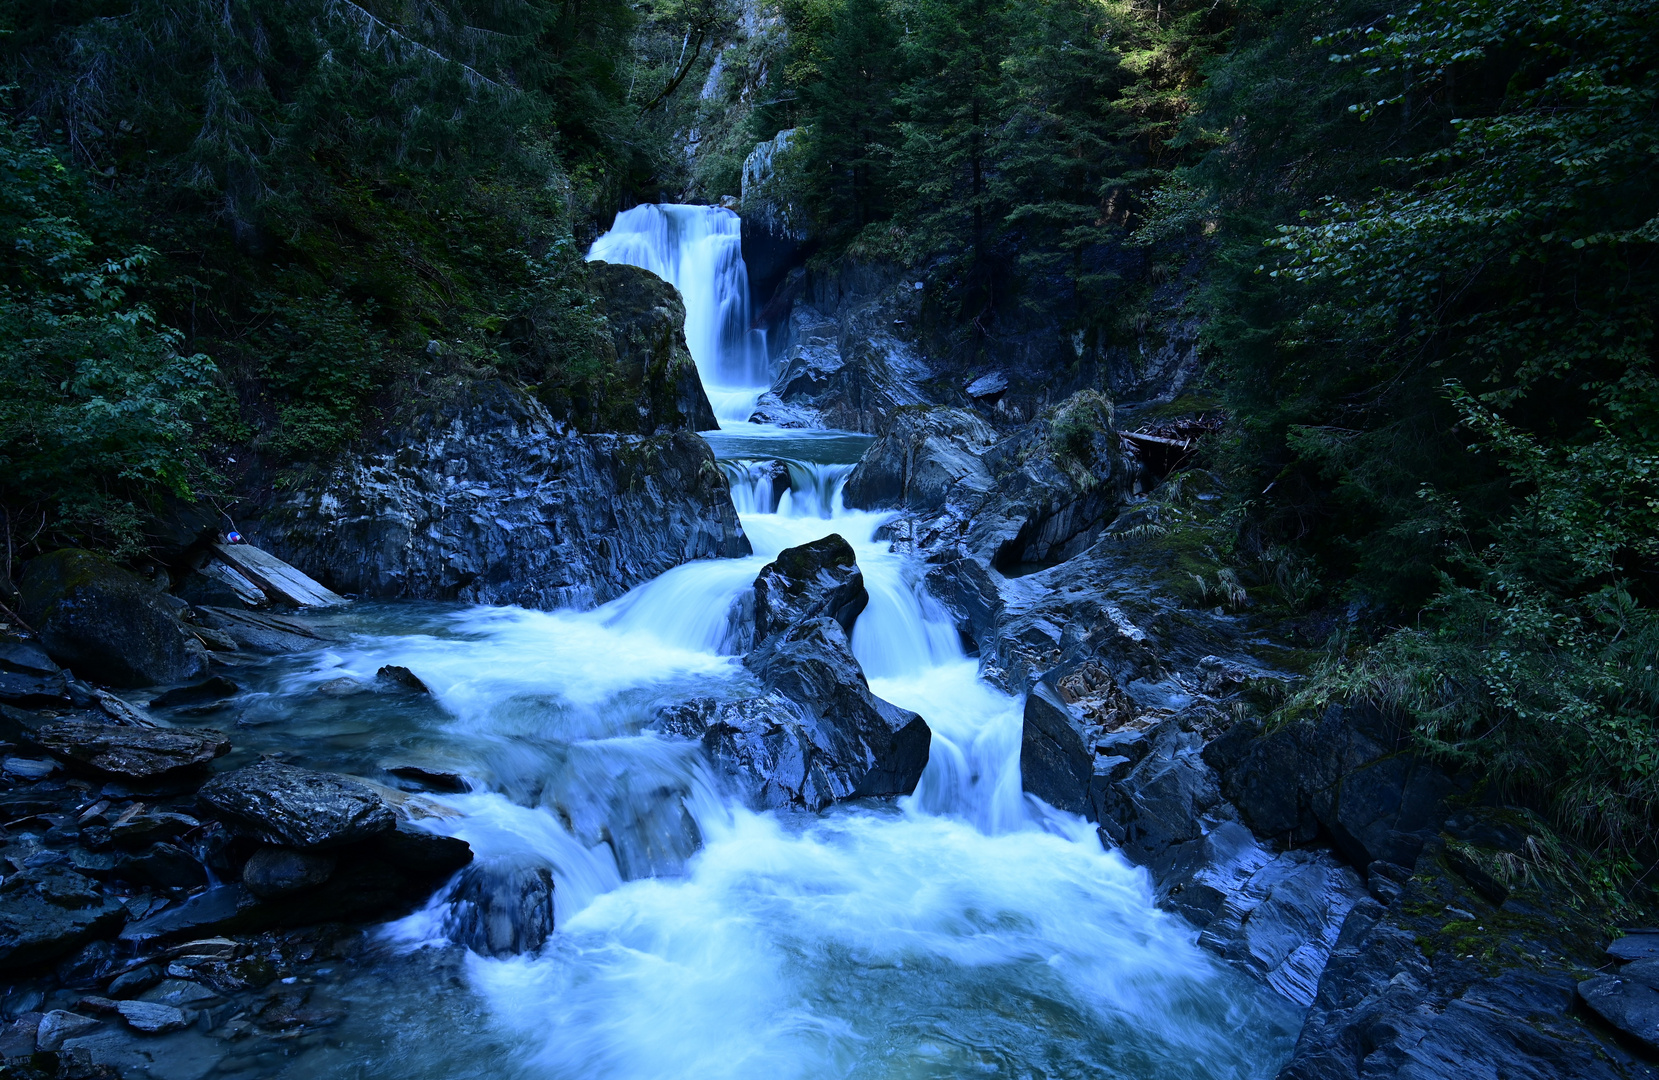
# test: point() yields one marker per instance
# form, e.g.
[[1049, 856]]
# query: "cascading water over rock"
[[965, 929]]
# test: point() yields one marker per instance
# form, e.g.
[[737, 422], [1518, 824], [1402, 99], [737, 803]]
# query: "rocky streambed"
[[802, 753]]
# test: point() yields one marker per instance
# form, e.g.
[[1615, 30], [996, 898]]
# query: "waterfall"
[[699, 250], [965, 929]]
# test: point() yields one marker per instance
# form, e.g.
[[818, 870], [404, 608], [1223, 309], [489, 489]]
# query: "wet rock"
[[132, 753], [425, 856], [501, 908], [274, 871], [88, 967], [212, 690], [921, 460], [1282, 923], [133, 829], [104, 622], [49, 911], [290, 807], [431, 779], [1404, 994], [1163, 799], [342, 687], [484, 497], [29, 678], [58, 1025], [163, 866], [1628, 1001], [135, 982], [850, 741], [30, 768], [853, 381], [396, 677], [809, 582], [151, 1018]]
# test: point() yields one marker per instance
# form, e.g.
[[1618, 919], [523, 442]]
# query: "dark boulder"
[[134, 753], [50, 911], [809, 582], [290, 807], [274, 871], [396, 677], [483, 496], [105, 623], [501, 908]]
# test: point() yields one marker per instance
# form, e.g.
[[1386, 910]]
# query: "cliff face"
[[486, 498]]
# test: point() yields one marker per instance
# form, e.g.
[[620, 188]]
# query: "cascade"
[[699, 250], [964, 929]]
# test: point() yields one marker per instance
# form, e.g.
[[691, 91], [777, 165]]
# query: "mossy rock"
[[103, 622]]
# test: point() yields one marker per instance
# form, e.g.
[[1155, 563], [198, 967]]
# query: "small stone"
[[59, 1025], [30, 768], [342, 687], [17, 1039], [150, 1017]]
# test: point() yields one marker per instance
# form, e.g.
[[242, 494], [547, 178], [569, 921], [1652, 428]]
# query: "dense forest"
[[1420, 239]]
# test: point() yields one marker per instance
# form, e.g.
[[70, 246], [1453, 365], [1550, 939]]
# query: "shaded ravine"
[[966, 928]]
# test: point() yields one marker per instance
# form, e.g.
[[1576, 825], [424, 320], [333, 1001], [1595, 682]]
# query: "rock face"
[[132, 752], [485, 498], [1350, 775], [662, 391], [296, 808], [104, 623], [1405, 993], [845, 364], [271, 871], [1043, 493], [919, 461]]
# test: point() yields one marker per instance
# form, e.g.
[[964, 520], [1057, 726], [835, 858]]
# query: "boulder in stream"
[[808, 582], [291, 807]]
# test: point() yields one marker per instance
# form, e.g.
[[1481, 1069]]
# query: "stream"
[[964, 930]]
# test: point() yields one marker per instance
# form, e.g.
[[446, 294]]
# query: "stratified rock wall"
[[483, 497]]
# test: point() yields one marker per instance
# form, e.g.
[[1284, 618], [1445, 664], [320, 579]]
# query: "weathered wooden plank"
[[245, 590], [276, 577]]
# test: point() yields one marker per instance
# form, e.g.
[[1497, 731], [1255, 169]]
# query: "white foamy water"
[[698, 250], [964, 930]]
